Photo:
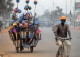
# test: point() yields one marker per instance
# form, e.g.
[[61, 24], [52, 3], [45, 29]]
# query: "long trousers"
[[67, 46]]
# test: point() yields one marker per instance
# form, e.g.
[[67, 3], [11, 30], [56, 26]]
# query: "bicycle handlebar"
[[63, 38]]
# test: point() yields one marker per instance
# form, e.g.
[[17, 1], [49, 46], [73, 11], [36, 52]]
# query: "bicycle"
[[62, 52]]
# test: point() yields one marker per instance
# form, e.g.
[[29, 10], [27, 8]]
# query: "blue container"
[[33, 43], [23, 34], [24, 16], [38, 37], [35, 2], [27, 2], [13, 22], [30, 34], [17, 1], [19, 11], [26, 7]]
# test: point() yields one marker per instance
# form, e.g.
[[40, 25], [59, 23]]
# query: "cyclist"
[[61, 30]]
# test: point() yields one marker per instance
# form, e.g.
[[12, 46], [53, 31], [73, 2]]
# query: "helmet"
[[63, 17], [14, 24]]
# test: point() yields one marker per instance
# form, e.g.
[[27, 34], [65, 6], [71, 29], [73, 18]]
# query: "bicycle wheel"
[[63, 52], [59, 52], [17, 49], [58, 55], [31, 49]]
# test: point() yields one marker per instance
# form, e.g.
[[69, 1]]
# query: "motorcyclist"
[[61, 30]]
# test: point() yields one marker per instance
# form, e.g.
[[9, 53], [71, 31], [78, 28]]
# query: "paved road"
[[45, 48]]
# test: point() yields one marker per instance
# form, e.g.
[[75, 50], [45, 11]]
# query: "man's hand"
[[56, 39], [57, 43], [70, 38]]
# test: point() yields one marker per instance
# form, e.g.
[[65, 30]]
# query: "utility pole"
[[53, 11], [4, 10], [74, 12], [70, 11], [66, 7], [53, 5], [74, 5], [70, 4]]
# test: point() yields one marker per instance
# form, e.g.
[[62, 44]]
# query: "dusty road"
[[45, 48]]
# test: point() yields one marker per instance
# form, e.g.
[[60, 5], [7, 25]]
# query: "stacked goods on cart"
[[24, 31]]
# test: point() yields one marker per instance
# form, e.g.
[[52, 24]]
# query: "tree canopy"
[[6, 6]]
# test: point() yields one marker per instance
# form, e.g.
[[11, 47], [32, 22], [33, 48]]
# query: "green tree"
[[6, 6], [47, 14], [53, 15], [56, 14]]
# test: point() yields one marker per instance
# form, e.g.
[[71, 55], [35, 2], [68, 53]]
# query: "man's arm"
[[55, 31], [68, 29]]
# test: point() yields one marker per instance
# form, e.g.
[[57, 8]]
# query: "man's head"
[[63, 19]]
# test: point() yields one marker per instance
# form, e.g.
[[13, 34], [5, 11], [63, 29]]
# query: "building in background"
[[77, 5]]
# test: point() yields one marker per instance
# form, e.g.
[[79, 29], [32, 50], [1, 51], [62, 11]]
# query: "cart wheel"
[[21, 48], [40, 36], [31, 48], [17, 49]]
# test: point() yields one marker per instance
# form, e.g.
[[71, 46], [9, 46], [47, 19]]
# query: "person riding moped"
[[61, 30]]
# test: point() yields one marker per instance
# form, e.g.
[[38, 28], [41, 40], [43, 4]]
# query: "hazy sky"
[[47, 4]]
